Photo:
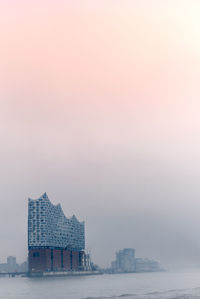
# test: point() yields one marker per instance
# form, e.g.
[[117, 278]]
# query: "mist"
[[106, 121]]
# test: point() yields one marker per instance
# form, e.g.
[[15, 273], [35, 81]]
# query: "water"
[[122, 286]]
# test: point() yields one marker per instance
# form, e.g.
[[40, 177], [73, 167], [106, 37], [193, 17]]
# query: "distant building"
[[3, 268], [86, 262], [12, 264], [146, 265], [125, 261], [23, 267], [55, 243], [12, 267]]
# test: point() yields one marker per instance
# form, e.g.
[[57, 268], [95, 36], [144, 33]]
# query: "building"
[[125, 261], [10, 267], [23, 268], [12, 264], [3, 268], [86, 262], [146, 265], [55, 243]]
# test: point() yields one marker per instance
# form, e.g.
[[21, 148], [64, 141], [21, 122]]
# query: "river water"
[[173, 285]]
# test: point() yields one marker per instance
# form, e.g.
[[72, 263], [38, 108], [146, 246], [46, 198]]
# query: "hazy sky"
[[100, 108]]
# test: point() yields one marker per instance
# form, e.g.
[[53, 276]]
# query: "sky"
[[99, 107]]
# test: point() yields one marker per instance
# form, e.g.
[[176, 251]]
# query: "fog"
[[106, 121], [131, 193]]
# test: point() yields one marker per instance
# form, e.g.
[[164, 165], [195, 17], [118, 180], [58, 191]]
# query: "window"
[[36, 254]]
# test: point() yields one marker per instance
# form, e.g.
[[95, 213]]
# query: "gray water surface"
[[136, 286]]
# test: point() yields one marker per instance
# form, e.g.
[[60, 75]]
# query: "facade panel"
[[38, 259], [75, 260], [66, 260], [57, 259]]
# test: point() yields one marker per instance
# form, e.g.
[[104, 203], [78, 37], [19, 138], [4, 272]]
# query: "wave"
[[170, 294]]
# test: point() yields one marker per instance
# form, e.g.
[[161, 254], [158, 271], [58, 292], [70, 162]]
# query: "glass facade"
[[48, 227]]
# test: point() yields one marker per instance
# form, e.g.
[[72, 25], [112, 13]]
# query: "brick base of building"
[[46, 259]]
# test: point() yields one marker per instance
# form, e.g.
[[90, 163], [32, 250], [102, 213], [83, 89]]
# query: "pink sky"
[[130, 54], [108, 79], [122, 69]]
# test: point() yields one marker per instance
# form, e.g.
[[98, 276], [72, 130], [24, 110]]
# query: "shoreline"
[[63, 274]]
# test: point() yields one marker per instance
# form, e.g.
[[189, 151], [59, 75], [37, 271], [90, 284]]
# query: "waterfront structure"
[[12, 266], [125, 261], [3, 268], [146, 265], [55, 242], [87, 262]]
